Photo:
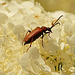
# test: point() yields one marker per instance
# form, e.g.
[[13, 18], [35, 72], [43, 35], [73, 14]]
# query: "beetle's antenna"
[[56, 22], [58, 18]]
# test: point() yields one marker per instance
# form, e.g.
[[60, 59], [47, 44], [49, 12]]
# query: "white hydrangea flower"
[[55, 58], [29, 58], [30, 61]]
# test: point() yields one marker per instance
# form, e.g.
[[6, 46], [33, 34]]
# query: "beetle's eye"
[[53, 22]]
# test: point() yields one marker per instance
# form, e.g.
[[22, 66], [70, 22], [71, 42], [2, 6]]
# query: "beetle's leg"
[[25, 36], [55, 23], [58, 23], [48, 33], [42, 39], [27, 33], [30, 45]]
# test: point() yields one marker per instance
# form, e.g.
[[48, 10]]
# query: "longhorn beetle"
[[37, 32]]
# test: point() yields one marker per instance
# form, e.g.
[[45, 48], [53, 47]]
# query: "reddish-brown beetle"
[[37, 32]]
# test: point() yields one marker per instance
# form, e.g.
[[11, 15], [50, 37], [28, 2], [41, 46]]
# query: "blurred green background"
[[54, 5]]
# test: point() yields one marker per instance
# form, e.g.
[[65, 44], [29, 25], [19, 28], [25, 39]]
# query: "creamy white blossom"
[[31, 61], [55, 58]]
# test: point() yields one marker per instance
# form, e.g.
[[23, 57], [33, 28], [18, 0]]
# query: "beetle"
[[37, 32]]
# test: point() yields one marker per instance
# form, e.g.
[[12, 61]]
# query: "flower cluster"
[[55, 58]]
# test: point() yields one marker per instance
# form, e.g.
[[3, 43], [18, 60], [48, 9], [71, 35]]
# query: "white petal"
[[35, 67], [62, 46], [33, 53], [69, 28], [56, 32], [2, 73], [55, 73], [72, 39], [68, 39], [41, 64], [11, 73], [33, 25], [65, 61], [3, 18], [73, 74], [63, 73], [1, 41], [10, 25], [13, 8], [37, 9], [74, 50], [41, 61], [56, 14], [9, 67], [27, 4], [19, 29], [27, 7], [17, 19], [29, 19], [25, 61], [46, 68], [50, 44]]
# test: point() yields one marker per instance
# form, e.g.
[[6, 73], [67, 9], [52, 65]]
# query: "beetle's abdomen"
[[33, 35]]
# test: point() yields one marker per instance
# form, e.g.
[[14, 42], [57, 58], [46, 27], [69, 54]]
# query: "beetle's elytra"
[[37, 32]]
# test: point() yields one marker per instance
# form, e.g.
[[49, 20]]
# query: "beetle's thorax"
[[44, 28]]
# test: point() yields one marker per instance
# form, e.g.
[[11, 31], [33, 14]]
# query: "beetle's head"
[[55, 22]]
